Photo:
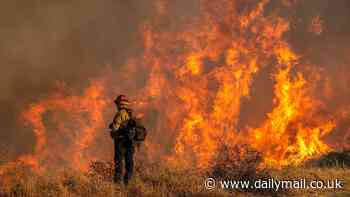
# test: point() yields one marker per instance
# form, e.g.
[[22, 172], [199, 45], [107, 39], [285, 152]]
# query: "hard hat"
[[121, 101]]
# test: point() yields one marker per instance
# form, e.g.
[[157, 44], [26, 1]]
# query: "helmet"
[[121, 101]]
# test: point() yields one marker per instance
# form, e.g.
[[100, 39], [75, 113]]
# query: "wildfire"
[[196, 79], [77, 120], [277, 139]]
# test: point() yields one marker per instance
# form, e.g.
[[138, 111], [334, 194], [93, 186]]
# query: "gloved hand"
[[113, 134], [111, 126]]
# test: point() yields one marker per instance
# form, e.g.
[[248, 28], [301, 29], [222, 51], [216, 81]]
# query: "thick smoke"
[[48, 41], [71, 41]]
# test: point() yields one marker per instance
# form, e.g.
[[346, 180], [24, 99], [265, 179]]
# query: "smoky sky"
[[43, 42], [328, 51]]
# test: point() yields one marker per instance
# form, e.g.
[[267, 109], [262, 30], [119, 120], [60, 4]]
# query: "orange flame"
[[197, 77], [86, 116], [281, 144]]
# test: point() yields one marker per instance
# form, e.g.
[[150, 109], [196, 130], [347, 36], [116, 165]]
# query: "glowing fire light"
[[197, 78]]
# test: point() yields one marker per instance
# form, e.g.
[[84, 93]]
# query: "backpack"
[[139, 132]]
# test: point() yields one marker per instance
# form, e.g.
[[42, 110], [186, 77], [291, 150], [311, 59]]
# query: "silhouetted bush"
[[242, 163], [333, 159]]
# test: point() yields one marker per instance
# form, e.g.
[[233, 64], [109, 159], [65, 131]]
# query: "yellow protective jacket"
[[120, 119]]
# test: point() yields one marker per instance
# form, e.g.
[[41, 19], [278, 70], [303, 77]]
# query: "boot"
[[116, 179], [126, 180]]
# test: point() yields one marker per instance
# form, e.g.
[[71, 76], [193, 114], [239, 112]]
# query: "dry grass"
[[154, 181], [315, 173], [151, 182]]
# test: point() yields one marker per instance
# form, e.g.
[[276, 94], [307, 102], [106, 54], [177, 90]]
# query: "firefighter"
[[123, 137]]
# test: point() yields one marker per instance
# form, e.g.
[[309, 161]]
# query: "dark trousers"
[[124, 150]]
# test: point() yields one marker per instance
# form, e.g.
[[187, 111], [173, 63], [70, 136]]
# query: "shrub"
[[333, 159]]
